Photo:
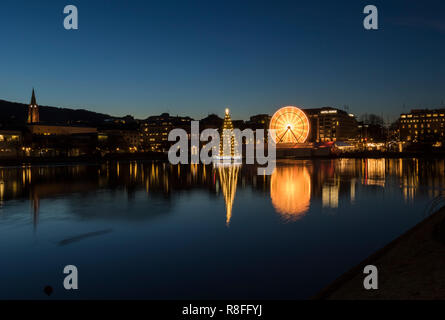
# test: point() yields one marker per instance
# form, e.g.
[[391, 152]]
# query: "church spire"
[[33, 109], [33, 98]]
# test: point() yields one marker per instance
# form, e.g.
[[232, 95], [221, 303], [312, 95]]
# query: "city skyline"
[[222, 159], [251, 57], [387, 120]]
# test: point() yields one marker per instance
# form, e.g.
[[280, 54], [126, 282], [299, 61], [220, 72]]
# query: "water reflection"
[[228, 177], [330, 193], [374, 172], [290, 190], [294, 187]]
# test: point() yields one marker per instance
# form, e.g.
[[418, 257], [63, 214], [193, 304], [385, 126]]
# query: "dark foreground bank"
[[410, 267]]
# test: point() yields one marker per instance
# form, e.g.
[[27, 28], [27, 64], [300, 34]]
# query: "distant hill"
[[13, 112]]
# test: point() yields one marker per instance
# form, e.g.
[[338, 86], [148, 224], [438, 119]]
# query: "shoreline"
[[82, 159], [411, 267], [148, 156]]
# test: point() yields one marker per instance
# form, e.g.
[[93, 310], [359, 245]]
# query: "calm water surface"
[[153, 230]]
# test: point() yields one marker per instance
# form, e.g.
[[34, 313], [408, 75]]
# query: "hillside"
[[13, 112]]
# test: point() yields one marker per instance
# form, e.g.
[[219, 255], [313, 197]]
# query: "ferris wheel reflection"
[[290, 191]]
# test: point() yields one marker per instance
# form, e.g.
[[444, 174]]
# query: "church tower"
[[33, 110]]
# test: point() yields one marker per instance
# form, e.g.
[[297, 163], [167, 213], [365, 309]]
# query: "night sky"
[[195, 58]]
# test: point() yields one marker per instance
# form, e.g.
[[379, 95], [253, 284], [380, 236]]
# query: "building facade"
[[10, 142], [423, 126], [372, 132], [331, 124], [153, 132], [118, 140], [54, 129], [54, 139], [259, 121]]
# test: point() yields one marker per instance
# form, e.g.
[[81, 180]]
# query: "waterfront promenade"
[[410, 267]]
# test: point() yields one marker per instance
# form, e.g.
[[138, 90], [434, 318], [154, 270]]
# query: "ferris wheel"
[[289, 125]]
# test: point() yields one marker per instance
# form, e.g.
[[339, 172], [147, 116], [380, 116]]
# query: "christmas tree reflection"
[[228, 177]]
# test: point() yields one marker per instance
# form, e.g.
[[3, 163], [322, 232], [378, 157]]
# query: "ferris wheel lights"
[[290, 125]]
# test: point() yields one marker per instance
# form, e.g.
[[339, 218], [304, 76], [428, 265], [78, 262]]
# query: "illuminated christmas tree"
[[228, 143]]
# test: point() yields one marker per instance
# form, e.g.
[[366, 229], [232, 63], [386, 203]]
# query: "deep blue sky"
[[194, 58]]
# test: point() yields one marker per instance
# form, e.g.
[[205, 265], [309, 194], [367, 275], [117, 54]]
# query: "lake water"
[[157, 231]]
